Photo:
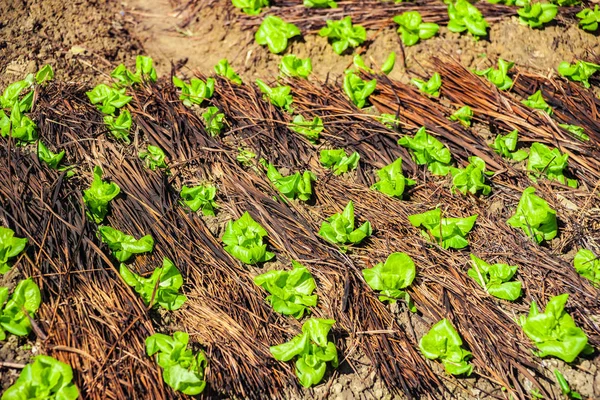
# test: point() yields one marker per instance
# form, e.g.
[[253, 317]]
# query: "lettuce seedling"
[[320, 3], [18, 126], [124, 246], [251, 7], [472, 178], [293, 66], [279, 95], [587, 265], [120, 126], [291, 291], [549, 163], [309, 129], [295, 186], [183, 370], [537, 101], [359, 64], [245, 157], [225, 70], [358, 90], [338, 161], [144, 70], [45, 378], [577, 131], [391, 277], [196, 91], [444, 343], [463, 115], [213, 120], [412, 29], [506, 146], [581, 71], [498, 77], [496, 279], [97, 197], [388, 64], [537, 14], [431, 87], [342, 34], [313, 350], [339, 228], [389, 120], [465, 16], [200, 197], [47, 156], [12, 94], [10, 247], [589, 19], [161, 288], [554, 332], [108, 99], [16, 313], [428, 150], [447, 232], [564, 386], [535, 217], [392, 181], [153, 158], [275, 33], [44, 74], [243, 239]]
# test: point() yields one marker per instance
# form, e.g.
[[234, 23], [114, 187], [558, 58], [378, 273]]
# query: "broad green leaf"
[[358, 90], [243, 239], [463, 115], [549, 163], [293, 66], [200, 197], [320, 3], [447, 232], [19, 308], [10, 247], [506, 146], [338, 161], [428, 150], [307, 128], [213, 120], [251, 7], [339, 228], [498, 77], [97, 197], [47, 156], [577, 131], [119, 126], [431, 87], [275, 33], [196, 91], [124, 246], [465, 16], [472, 178], [587, 265], [44, 74], [294, 186], [589, 19], [444, 343], [153, 158], [391, 180], [108, 99], [390, 277], [535, 217], [581, 71], [225, 70], [343, 34], [537, 101], [412, 29], [495, 279], [280, 96], [537, 14]]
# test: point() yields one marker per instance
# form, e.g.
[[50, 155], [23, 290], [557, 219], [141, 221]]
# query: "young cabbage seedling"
[[549, 163], [465, 16], [243, 239], [339, 228], [581, 71], [358, 90], [200, 197], [294, 186], [213, 120], [537, 14], [535, 217], [119, 126], [275, 33], [472, 178], [447, 232], [307, 128], [498, 77], [44, 378], [391, 277], [338, 161], [10, 247], [537, 101], [293, 66], [428, 150], [589, 19], [320, 3], [183, 370], [47, 156], [444, 343], [196, 91], [506, 146], [290, 291], [251, 7], [496, 278], [412, 29], [587, 265], [144, 70], [222, 68], [124, 246], [431, 87], [392, 181], [108, 99], [554, 332], [312, 349], [153, 158], [279, 95], [342, 34], [463, 115], [97, 197], [17, 311]]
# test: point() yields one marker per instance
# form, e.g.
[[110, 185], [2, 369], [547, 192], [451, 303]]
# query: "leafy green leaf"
[[428, 150], [342, 34], [587, 265], [498, 77], [388, 64], [12, 94], [161, 288], [124, 246], [154, 157], [338, 161], [391, 180], [496, 279], [18, 126], [279, 95], [589, 19], [293, 66], [44, 74], [196, 91], [581, 71], [10, 247], [390, 277], [198, 197], [50, 158], [465, 16], [120, 126], [213, 120], [564, 386], [447, 232], [97, 197], [339, 228], [144, 68], [275, 33], [535, 217], [389, 120], [294, 186], [108, 99], [472, 178], [245, 157], [412, 28], [225, 70], [243, 239], [549, 163], [577, 131], [251, 7], [358, 90], [431, 87], [537, 14], [506, 146], [537, 101], [320, 3], [463, 115], [307, 128], [444, 343], [19, 308]]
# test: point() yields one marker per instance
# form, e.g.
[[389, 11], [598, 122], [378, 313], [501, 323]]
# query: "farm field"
[[299, 199]]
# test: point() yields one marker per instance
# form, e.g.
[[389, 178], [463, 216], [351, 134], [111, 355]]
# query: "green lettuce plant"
[[577, 131], [222, 68], [275, 33], [279, 96], [44, 74], [196, 91], [243, 239], [392, 181], [97, 197], [388, 64], [312, 349], [412, 28], [338, 161], [47, 156], [359, 64], [45, 379], [183, 370], [463, 115], [17, 311], [290, 291], [213, 120], [245, 157], [472, 178], [307, 128], [465, 16], [496, 279], [389, 120], [587, 265], [357, 89], [444, 343], [144, 70], [343, 34], [537, 101], [123, 246], [18, 93], [506, 146], [320, 3], [161, 288], [19, 126], [108, 99], [554, 332], [549, 163], [10, 247], [200, 197], [391, 277], [537, 14], [428, 150], [339, 228], [431, 87], [589, 19], [535, 217], [294, 186], [120, 125], [447, 232], [565, 388], [153, 158], [498, 77], [293, 66], [581, 71]]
